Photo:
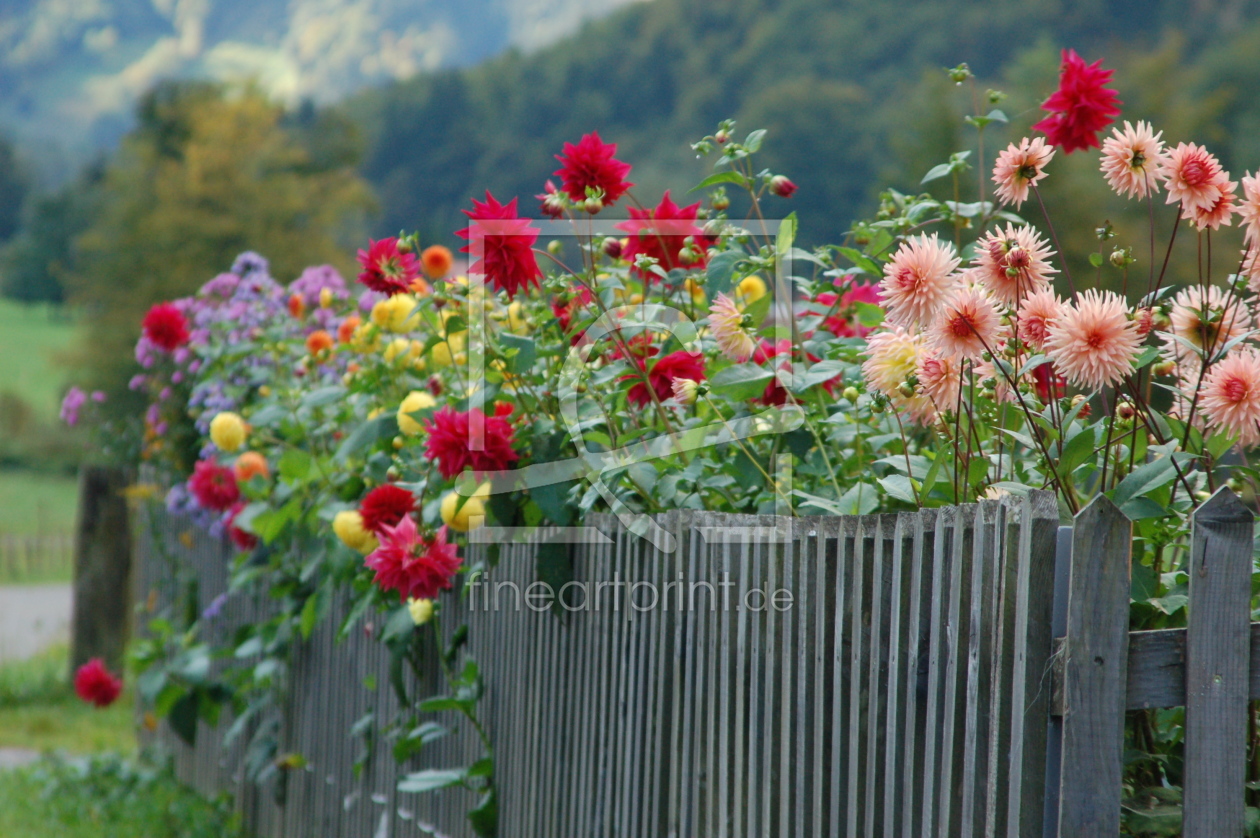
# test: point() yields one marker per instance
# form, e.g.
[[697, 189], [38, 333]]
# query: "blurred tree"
[[206, 175], [34, 264], [13, 188]]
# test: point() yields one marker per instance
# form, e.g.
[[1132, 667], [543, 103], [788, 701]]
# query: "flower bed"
[[349, 439]]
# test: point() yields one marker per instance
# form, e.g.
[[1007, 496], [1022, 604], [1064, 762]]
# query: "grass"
[[32, 503], [106, 797], [40, 712], [31, 337], [90, 783]]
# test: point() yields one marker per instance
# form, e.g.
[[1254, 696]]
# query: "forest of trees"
[[855, 98]]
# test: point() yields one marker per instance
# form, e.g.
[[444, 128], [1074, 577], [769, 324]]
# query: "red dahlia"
[[451, 434], [214, 486], [386, 269], [243, 540], [662, 234], [590, 164], [412, 565], [502, 245], [1081, 107], [166, 327], [94, 684], [842, 322], [385, 506], [678, 364]]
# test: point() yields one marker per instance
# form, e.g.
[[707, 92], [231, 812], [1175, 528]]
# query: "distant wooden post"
[[102, 569], [1097, 646], [1218, 643]]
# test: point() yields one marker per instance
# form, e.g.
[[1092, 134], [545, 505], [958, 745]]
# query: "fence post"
[[102, 569], [1096, 648], [1218, 645]]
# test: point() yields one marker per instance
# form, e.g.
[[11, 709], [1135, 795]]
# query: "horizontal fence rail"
[[881, 675]]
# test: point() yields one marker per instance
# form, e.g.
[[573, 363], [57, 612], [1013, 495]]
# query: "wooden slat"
[[1217, 668], [1097, 650], [948, 814]]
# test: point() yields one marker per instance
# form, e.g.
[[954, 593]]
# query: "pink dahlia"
[[386, 269], [1207, 317], [416, 567], [892, 359], [940, 379], [451, 434], [214, 486], [1019, 167], [918, 279], [966, 325], [1218, 213], [1230, 396], [1093, 343], [166, 327], [1013, 263], [590, 165], [661, 376], [502, 244], [385, 506], [662, 234], [1036, 314], [726, 322], [1132, 160], [94, 684], [1193, 177], [1081, 107], [1250, 209]]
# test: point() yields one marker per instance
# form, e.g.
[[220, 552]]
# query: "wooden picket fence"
[[954, 672]]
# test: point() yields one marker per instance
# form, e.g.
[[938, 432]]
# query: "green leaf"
[[431, 780], [323, 396], [787, 236], [526, 352], [1142, 508], [937, 172], [315, 606], [861, 260], [1076, 451], [741, 382], [1145, 357], [1096, 259], [485, 818], [721, 177], [554, 566], [861, 499], [1144, 479], [368, 434], [183, 718], [269, 415], [753, 141], [442, 704], [399, 625], [295, 465], [818, 373], [718, 271], [899, 486]]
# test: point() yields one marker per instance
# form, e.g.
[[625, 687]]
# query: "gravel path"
[[32, 618]]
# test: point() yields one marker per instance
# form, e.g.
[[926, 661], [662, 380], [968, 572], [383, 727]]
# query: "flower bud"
[[555, 247], [593, 205], [722, 137], [781, 186], [227, 431], [612, 248], [851, 394], [421, 610]]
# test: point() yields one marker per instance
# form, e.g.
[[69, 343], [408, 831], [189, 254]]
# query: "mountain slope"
[[71, 70]]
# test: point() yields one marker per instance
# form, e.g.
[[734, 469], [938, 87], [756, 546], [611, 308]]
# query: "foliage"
[[106, 795], [204, 176]]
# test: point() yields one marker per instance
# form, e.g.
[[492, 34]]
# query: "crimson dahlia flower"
[[502, 244], [94, 684], [166, 327], [661, 376], [590, 164], [450, 438], [1081, 107], [662, 233], [416, 567], [386, 269], [214, 486], [385, 506]]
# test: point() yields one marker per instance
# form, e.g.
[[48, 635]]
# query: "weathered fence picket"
[[915, 687]]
